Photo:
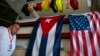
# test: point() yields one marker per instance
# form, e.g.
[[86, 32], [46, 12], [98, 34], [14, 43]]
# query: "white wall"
[[25, 30]]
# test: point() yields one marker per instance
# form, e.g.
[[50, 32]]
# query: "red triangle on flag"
[[47, 23]]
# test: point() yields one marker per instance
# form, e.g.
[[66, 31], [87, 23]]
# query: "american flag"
[[85, 34]]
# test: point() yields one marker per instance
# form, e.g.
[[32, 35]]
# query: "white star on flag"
[[48, 20]]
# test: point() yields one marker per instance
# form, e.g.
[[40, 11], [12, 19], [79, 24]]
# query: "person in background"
[[8, 39]]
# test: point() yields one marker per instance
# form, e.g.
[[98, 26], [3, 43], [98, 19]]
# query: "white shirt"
[[5, 42]]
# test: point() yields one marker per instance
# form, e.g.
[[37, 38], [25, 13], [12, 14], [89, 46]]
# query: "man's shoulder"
[[3, 28]]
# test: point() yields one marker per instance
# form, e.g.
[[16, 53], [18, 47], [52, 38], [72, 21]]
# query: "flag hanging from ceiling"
[[54, 6], [37, 6], [45, 5], [25, 10], [85, 34], [59, 5], [45, 39], [74, 4]]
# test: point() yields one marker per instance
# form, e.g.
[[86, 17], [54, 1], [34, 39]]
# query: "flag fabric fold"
[[85, 34], [46, 37]]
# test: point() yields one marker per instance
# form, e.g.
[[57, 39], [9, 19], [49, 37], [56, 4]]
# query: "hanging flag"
[[53, 6], [74, 4], [85, 34], [45, 5], [59, 5], [38, 6], [30, 7], [46, 39], [25, 10]]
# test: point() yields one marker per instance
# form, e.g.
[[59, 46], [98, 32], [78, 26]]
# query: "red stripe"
[[77, 44], [84, 44], [91, 34], [92, 44], [97, 31], [71, 44]]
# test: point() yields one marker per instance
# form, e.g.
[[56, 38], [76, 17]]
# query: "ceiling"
[[11, 10], [7, 14]]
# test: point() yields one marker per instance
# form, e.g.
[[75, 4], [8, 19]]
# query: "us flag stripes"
[[85, 34]]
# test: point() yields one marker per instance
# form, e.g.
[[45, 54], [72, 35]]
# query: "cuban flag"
[[46, 37]]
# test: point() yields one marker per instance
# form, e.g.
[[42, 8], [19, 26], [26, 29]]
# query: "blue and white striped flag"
[[46, 37]]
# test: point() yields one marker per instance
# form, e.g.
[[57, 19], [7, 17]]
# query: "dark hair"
[[13, 23]]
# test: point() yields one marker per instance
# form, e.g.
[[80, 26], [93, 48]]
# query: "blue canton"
[[78, 22]]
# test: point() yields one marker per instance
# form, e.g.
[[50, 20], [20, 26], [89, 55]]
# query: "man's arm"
[[32, 11], [3, 42]]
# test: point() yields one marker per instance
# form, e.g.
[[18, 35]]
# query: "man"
[[8, 39]]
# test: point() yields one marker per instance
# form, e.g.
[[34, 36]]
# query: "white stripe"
[[80, 43], [95, 37], [88, 43], [74, 43], [88, 37], [36, 46], [51, 40], [96, 45]]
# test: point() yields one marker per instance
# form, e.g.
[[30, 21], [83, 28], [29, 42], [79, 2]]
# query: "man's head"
[[14, 28]]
